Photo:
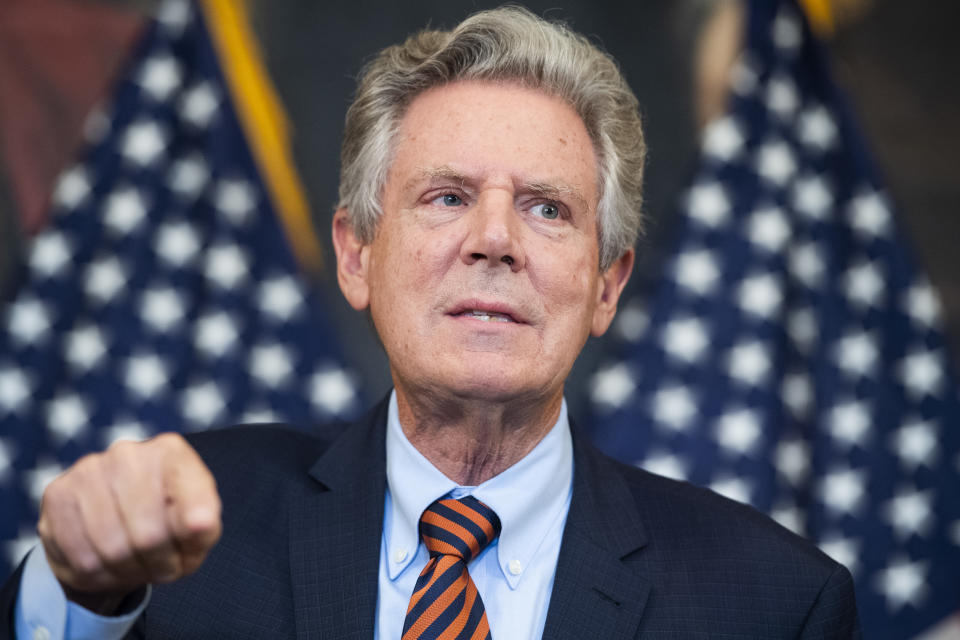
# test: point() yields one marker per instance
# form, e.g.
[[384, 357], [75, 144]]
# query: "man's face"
[[483, 278]]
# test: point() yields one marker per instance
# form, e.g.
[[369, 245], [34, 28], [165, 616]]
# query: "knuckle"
[[86, 565], [148, 536], [114, 549]]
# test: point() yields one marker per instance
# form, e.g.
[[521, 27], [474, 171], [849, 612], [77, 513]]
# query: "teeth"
[[487, 316]]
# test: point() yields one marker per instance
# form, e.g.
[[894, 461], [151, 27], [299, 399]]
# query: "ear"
[[352, 262], [612, 282]]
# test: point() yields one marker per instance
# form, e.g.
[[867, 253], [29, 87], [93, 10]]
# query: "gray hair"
[[509, 44]]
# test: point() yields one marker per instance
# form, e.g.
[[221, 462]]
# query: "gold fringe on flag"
[[265, 124]]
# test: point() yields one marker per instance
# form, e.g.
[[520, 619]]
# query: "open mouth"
[[486, 316]]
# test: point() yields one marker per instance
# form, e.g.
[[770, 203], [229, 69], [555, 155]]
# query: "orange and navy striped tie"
[[445, 603]]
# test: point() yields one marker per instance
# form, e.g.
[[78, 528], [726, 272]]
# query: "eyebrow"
[[543, 189]]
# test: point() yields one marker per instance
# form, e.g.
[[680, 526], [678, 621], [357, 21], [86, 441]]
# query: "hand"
[[140, 512]]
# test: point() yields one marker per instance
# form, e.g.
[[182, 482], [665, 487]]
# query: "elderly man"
[[490, 198]]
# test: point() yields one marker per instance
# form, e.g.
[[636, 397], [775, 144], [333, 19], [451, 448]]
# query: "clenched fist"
[[140, 512]]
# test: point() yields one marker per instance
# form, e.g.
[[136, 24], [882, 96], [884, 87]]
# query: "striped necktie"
[[445, 603]]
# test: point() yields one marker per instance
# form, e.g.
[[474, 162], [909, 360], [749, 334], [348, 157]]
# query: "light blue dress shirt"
[[514, 575]]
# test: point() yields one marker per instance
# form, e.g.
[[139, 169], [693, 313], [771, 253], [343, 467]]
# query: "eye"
[[451, 200], [548, 210]]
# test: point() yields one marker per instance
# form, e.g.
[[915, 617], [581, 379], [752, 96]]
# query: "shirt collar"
[[529, 497]]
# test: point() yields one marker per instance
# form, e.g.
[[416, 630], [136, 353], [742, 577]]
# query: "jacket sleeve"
[[833, 614]]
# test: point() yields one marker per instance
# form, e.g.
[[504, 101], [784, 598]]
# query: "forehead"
[[483, 129]]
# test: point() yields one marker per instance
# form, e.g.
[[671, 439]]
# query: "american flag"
[[163, 295], [792, 356]]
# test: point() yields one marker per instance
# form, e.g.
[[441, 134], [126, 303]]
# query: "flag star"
[[857, 354], [864, 285], [749, 363], [271, 364], [7, 455], [280, 297], [723, 139], [143, 142], [162, 308], [177, 243], [802, 329], [685, 339], [14, 389], [910, 513], [67, 417], [812, 196], [921, 303], [72, 188], [160, 76], [739, 431], [96, 127], [199, 104], [49, 254], [797, 393], [709, 204], [744, 76], [40, 476], [844, 550], [28, 320], [236, 198], [869, 214], [955, 532], [903, 582], [921, 372], [202, 403], [790, 516], [216, 334], [769, 229], [698, 271], [817, 129], [226, 265], [775, 162], [783, 99], [786, 32], [85, 347], [126, 209], [760, 295], [675, 407], [665, 464], [843, 490], [806, 262], [632, 322], [188, 176], [105, 278], [792, 460], [146, 375], [260, 415], [850, 422], [332, 391], [916, 443], [738, 489], [612, 386], [17, 549], [174, 15], [124, 430]]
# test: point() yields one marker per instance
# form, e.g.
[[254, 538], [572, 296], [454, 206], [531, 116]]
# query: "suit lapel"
[[335, 531], [596, 594]]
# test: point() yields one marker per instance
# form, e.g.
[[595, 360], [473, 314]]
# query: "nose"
[[494, 233]]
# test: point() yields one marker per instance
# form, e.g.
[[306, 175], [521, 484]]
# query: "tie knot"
[[460, 528]]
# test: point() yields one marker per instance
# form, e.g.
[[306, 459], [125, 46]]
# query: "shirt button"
[[399, 555], [41, 633], [515, 567]]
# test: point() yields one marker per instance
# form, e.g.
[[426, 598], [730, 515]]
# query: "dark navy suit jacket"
[[641, 556]]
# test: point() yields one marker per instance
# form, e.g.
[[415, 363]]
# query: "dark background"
[[897, 61]]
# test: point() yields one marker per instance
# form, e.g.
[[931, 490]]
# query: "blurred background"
[[893, 59], [73, 74]]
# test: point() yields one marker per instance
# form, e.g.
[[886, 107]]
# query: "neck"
[[471, 440]]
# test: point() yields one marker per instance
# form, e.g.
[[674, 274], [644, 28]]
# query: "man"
[[490, 197]]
